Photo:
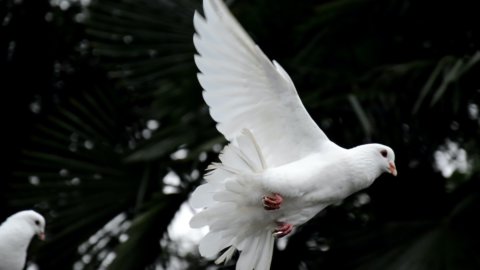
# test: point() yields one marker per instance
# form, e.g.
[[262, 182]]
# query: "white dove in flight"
[[279, 169], [15, 236]]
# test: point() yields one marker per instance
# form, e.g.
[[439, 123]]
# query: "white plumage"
[[15, 236], [275, 147], [244, 89]]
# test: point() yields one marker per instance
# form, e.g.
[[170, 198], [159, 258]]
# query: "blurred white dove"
[[279, 169], [15, 236]]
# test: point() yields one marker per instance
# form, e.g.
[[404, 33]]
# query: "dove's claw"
[[272, 202], [282, 230]]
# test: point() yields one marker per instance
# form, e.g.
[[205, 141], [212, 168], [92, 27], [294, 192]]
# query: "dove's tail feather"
[[233, 209]]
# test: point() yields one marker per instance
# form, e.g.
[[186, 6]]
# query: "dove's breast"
[[317, 177], [309, 185]]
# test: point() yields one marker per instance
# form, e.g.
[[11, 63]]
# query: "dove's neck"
[[364, 165]]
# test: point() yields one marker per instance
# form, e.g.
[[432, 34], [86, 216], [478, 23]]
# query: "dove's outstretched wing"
[[244, 89]]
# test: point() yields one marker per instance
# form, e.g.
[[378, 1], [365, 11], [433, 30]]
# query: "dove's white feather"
[[244, 89], [15, 236], [232, 211]]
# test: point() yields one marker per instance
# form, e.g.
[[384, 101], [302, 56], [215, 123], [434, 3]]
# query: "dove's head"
[[381, 156], [31, 221], [386, 158]]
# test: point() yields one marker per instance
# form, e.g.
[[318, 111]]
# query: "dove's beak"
[[41, 236], [392, 168]]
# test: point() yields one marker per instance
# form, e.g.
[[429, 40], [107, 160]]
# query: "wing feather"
[[245, 90]]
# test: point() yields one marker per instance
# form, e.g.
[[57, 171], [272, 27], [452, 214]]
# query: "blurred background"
[[104, 130]]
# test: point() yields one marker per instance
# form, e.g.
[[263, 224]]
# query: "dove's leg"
[[283, 229], [272, 202]]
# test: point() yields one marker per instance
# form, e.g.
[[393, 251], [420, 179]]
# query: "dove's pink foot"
[[272, 202], [283, 229]]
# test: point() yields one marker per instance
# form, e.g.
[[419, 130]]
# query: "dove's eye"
[[37, 222], [384, 153]]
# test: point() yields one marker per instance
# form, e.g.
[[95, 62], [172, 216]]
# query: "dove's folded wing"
[[244, 89]]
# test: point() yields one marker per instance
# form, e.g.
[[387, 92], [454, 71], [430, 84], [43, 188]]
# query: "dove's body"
[[15, 236], [300, 183], [312, 183], [275, 147]]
